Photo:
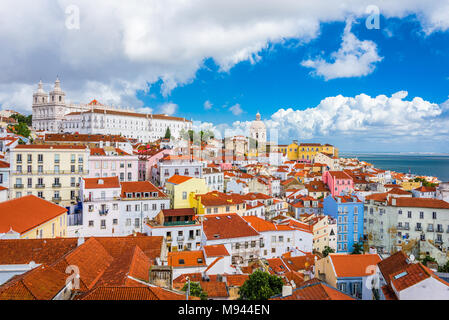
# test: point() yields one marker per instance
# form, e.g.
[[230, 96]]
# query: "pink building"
[[338, 182], [148, 159], [110, 162]]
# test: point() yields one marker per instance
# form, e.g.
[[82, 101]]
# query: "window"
[[137, 222], [91, 223], [114, 221], [184, 195], [128, 208], [409, 214], [421, 215], [103, 224], [128, 221], [434, 215]]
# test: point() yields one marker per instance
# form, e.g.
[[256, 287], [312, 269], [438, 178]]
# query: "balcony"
[[418, 228], [439, 241], [169, 239], [56, 199], [40, 186], [56, 185], [18, 186], [103, 212], [440, 230], [430, 229], [180, 238], [73, 184]]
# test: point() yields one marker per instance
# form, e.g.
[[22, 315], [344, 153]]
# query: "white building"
[[179, 165], [258, 132], [101, 210], [179, 228], [234, 232], [140, 202], [214, 179], [51, 113]]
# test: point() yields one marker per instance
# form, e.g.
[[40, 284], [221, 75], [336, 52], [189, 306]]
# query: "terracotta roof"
[[97, 152], [420, 203], [186, 259], [84, 137], [353, 265], [214, 289], [133, 293], [41, 283], [300, 263], [41, 251], [101, 183], [225, 226], [262, 225], [178, 212], [217, 250], [425, 189], [28, 212], [140, 186], [177, 179], [4, 164], [315, 290], [48, 146], [340, 175]]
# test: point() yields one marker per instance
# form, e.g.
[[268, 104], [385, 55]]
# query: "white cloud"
[[122, 46], [236, 109], [355, 58], [362, 119], [168, 108], [207, 105]]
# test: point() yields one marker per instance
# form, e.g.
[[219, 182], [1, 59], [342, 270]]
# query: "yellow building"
[[181, 188], [410, 185], [216, 202], [31, 217], [52, 173], [307, 151]]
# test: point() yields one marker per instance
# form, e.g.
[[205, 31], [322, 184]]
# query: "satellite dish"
[[412, 257]]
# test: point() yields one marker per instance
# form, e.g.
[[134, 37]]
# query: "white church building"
[[51, 114]]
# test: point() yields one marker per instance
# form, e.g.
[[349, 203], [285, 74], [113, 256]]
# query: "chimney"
[[80, 240], [287, 291]]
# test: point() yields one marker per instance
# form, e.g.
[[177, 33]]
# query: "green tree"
[[444, 268], [21, 129], [195, 290], [167, 133], [358, 248], [426, 259], [327, 250], [260, 286]]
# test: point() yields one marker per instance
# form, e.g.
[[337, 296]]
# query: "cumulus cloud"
[[355, 58], [236, 109], [122, 46], [168, 108], [363, 119], [207, 105]]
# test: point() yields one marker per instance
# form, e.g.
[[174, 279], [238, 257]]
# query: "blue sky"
[[412, 61], [312, 69]]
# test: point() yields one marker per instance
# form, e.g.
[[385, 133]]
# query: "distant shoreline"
[[421, 154]]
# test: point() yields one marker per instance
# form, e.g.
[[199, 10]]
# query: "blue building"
[[348, 211]]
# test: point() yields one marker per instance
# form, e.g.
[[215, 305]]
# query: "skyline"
[[316, 76]]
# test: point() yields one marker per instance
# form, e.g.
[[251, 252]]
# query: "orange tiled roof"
[[217, 250], [41, 283], [225, 226], [315, 290], [101, 183], [133, 293], [353, 265], [140, 186], [177, 179], [420, 203], [28, 212], [186, 259], [47, 146]]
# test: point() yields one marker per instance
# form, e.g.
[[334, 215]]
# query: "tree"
[[444, 268], [260, 286], [21, 118], [426, 259], [358, 248], [195, 290], [21, 129], [167, 133], [327, 250]]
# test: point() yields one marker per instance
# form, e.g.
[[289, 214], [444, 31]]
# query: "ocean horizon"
[[420, 163]]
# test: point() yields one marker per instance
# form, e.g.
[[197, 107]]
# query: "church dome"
[[257, 124]]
